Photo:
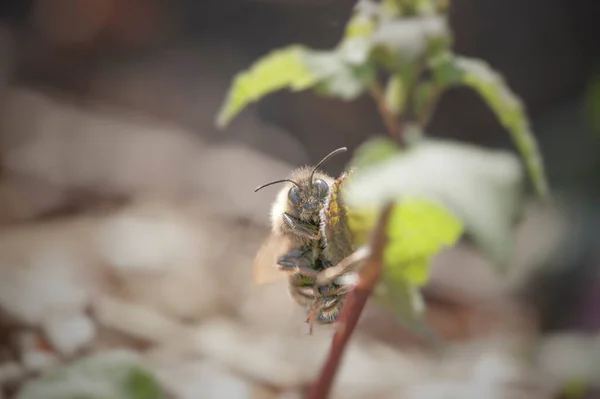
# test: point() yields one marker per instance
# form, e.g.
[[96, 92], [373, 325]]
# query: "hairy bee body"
[[303, 291], [303, 242]]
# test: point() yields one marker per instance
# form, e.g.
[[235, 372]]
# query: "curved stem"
[[391, 122], [353, 305]]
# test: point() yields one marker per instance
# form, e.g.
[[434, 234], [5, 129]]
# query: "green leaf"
[[395, 94], [115, 375], [410, 37], [140, 384], [391, 8], [418, 230], [283, 68], [374, 151], [592, 103], [360, 25], [425, 7], [452, 70], [336, 77], [426, 94], [483, 188], [575, 388], [355, 47], [344, 73]]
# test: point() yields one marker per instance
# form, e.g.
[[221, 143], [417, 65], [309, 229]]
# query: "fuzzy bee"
[[309, 234]]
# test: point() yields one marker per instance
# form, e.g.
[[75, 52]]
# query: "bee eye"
[[293, 196], [322, 187]]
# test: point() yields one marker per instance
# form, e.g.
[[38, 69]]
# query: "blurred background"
[[129, 222]]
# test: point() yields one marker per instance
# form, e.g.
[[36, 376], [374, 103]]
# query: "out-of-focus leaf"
[[396, 8], [425, 7], [140, 384], [592, 103], [355, 51], [356, 44], [575, 389], [452, 70], [395, 95], [283, 68], [360, 25], [336, 77], [374, 151], [410, 37], [391, 8], [483, 188], [426, 94], [298, 68], [115, 375]]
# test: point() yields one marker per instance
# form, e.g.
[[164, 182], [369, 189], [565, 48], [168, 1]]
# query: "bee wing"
[[265, 262]]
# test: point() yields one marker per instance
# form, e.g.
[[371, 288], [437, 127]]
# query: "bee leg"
[[335, 291], [306, 271], [313, 312], [300, 261], [297, 257], [301, 227], [350, 262]]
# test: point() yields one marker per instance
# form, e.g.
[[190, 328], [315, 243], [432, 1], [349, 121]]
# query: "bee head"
[[305, 197], [308, 190]]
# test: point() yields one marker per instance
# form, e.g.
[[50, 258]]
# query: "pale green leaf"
[[374, 151], [483, 188], [355, 51], [355, 47], [410, 37], [418, 230], [360, 25], [395, 94], [452, 70], [283, 68], [391, 8], [336, 77], [426, 94], [115, 375], [425, 7]]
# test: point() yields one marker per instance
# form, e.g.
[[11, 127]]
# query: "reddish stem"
[[352, 309], [390, 120]]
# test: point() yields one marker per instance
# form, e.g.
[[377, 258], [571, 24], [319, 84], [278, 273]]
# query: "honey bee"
[[304, 241]]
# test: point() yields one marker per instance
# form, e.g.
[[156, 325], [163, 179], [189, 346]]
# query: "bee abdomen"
[[330, 311], [302, 290]]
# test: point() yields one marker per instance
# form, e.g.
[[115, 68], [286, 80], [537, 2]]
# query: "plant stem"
[[391, 122], [352, 308]]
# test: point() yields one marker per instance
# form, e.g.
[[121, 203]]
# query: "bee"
[[305, 240]]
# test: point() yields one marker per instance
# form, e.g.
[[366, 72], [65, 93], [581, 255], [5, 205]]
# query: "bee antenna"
[[275, 182], [331, 154]]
